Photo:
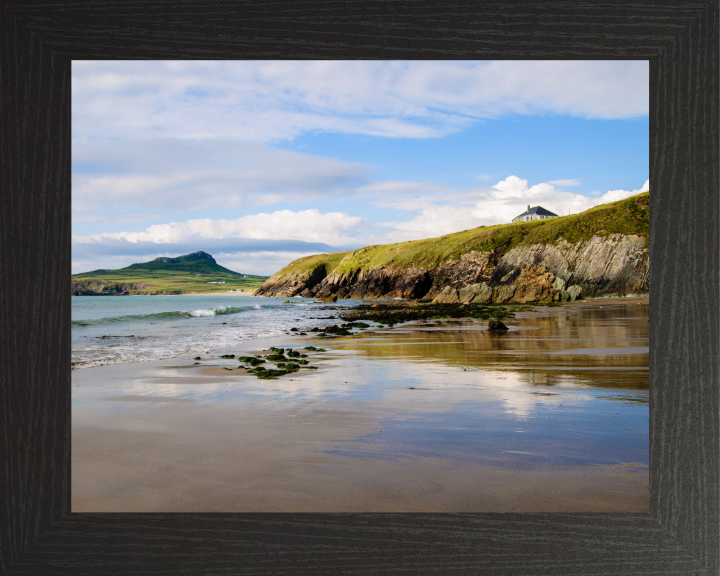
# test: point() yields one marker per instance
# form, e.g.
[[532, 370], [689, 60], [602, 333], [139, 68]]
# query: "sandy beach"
[[551, 416]]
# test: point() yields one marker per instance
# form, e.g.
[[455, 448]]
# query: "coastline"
[[171, 436], [604, 296], [182, 294]]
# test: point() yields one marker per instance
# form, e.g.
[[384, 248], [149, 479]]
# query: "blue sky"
[[260, 163]]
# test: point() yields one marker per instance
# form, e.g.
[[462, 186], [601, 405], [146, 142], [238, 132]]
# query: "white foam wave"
[[201, 313], [175, 350]]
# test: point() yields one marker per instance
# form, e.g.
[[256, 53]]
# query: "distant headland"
[[194, 273]]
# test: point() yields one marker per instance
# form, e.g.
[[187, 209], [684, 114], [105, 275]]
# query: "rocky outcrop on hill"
[[200, 255], [292, 285], [615, 264], [100, 288]]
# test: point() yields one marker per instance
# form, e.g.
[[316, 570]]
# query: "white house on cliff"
[[534, 213]]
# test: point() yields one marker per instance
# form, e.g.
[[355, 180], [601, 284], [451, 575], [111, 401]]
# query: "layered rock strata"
[[602, 266], [100, 288]]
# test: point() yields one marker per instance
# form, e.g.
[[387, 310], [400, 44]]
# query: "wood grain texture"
[[38, 535]]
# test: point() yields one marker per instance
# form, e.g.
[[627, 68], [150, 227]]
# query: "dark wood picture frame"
[[38, 534]]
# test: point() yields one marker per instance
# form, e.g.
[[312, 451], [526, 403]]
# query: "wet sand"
[[549, 417]]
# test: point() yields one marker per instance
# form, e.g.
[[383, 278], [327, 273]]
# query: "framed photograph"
[[292, 274], [378, 307]]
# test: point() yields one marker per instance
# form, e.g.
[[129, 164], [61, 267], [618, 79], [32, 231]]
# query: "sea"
[[113, 329]]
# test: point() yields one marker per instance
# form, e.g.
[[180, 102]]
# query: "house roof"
[[539, 210]]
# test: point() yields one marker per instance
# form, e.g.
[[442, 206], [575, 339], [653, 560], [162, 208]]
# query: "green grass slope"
[[629, 216]]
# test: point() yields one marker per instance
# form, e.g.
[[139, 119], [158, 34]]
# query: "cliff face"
[[602, 266], [101, 288], [292, 284], [602, 251], [611, 265]]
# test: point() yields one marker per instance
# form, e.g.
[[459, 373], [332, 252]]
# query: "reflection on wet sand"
[[569, 344], [423, 417]]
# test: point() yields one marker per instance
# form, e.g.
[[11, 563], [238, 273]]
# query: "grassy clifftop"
[[306, 265], [629, 216]]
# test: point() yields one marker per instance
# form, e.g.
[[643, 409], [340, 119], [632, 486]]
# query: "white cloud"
[[489, 206], [435, 221], [615, 195], [273, 101], [513, 188], [332, 228]]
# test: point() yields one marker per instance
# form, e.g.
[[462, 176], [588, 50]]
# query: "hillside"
[[601, 251], [164, 275]]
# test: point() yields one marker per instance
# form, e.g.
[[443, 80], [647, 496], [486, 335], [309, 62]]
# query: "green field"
[[191, 273], [629, 216]]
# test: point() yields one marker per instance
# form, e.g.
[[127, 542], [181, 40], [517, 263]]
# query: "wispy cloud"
[[568, 182], [123, 218], [275, 101], [192, 174]]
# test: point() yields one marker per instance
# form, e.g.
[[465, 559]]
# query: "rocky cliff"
[[601, 252], [101, 288]]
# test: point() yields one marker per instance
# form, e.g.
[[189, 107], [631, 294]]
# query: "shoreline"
[[608, 296], [181, 294], [394, 301], [170, 436]]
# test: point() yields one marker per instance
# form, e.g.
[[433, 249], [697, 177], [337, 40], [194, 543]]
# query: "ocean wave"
[[174, 315], [101, 356]]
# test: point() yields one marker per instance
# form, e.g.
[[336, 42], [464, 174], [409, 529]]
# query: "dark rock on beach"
[[497, 326]]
